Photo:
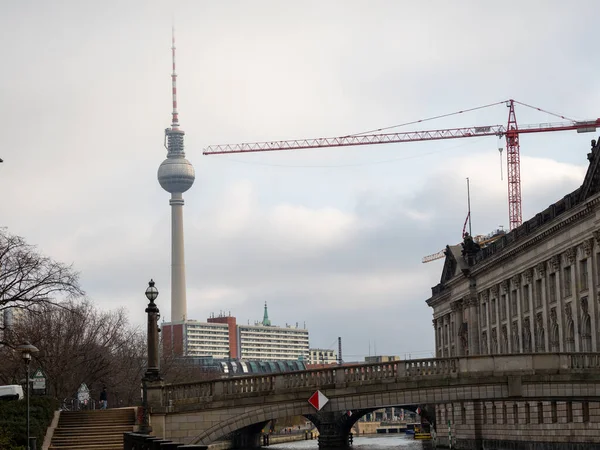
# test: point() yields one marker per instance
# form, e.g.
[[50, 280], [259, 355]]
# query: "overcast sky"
[[332, 238]]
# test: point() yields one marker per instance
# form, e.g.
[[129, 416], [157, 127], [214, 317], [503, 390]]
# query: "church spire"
[[266, 322]]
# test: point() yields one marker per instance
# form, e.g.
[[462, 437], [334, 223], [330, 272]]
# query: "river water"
[[374, 442]]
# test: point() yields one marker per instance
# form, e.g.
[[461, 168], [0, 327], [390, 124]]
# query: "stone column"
[[458, 321], [485, 300], [569, 260], [541, 273], [595, 297], [495, 302], [505, 290], [436, 337], [528, 276], [516, 282], [472, 302], [588, 253], [447, 332], [554, 267]]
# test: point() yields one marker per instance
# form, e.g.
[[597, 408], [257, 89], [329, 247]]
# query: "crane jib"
[[409, 136]]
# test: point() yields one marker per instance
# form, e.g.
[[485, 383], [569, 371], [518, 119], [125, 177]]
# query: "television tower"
[[176, 175]]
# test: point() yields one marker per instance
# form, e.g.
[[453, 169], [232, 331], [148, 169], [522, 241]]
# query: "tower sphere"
[[176, 175]]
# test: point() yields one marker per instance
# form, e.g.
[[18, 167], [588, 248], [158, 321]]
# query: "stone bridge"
[[238, 408]]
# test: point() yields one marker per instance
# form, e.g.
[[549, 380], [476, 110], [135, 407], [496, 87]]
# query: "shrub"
[[13, 423]]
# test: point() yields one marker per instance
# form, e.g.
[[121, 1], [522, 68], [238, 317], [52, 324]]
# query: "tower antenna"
[[175, 120]]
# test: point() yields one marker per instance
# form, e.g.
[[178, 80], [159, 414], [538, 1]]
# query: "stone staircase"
[[92, 430]]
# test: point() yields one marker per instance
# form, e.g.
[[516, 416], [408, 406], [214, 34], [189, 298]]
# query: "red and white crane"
[[510, 132]]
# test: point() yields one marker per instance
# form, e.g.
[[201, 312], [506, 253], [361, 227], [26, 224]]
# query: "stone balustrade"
[[340, 376]]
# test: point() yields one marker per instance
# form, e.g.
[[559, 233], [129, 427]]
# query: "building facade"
[[221, 337], [534, 289], [193, 338], [322, 356], [381, 359], [270, 343]]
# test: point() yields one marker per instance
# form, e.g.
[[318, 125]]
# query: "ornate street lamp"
[[152, 371], [27, 350]]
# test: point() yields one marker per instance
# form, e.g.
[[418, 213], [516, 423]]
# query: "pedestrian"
[[103, 399]]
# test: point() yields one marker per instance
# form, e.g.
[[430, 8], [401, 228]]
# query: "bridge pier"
[[246, 440], [248, 437], [334, 429]]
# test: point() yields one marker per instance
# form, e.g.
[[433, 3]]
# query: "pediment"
[[591, 183], [450, 266]]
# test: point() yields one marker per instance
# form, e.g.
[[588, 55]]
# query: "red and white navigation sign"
[[318, 400]]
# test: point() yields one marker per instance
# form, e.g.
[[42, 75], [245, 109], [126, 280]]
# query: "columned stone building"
[[534, 289]]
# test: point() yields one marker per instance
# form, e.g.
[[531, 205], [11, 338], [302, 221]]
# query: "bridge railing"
[[336, 375], [184, 392], [584, 361], [245, 385], [309, 378]]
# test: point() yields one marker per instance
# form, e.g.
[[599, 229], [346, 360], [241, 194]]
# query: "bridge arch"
[[257, 415]]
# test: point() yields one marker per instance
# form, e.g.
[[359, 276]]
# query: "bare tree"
[[80, 344], [28, 278]]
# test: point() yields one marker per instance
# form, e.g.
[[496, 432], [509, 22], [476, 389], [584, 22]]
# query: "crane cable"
[[544, 111], [460, 112], [428, 119]]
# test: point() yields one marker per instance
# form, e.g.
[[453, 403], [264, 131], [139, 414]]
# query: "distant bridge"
[[238, 408]]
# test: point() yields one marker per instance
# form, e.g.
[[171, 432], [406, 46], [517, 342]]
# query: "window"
[[493, 413], [484, 414], [552, 287], [527, 412], [493, 311], [503, 307], [504, 414], [598, 268], [484, 314], [554, 412], [515, 414], [567, 281], [540, 408], [463, 413], [538, 293], [583, 275], [569, 412], [585, 406]]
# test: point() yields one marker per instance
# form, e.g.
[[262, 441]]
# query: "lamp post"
[[27, 350], [152, 370]]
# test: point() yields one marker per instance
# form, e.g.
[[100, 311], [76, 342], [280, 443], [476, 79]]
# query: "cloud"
[[333, 237]]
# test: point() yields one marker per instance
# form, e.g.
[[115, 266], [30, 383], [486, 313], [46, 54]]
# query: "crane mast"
[[513, 155], [510, 132]]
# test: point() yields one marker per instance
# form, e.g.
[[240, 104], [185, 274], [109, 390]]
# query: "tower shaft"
[[178, 292]]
